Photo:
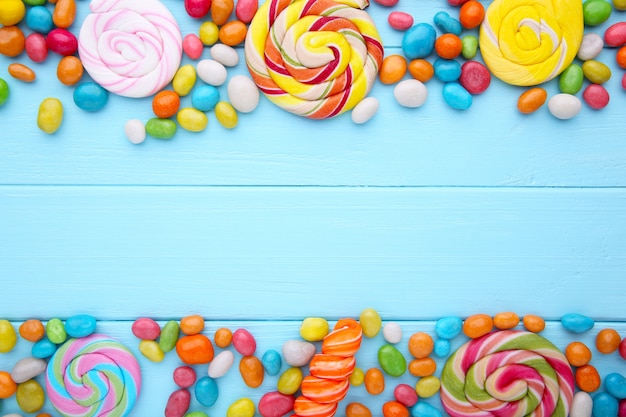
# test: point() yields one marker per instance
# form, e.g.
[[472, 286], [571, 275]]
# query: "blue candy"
[[442, 348], [272, 362], [206, 391], [615, 385], [604, 405], [448, 24], [456, 96], [423, 409], [447, 70], [90, 96], [419, 41], [39, 19], [577, 323], [43, 349], [81, 325], [448, 327], [205, 97]]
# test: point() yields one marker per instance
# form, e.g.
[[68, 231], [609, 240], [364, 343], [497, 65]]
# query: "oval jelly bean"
[[184, 376], [532, 322], [246, 9], [21, 72], [357, 410], [571, 80], [387, 3], [581, 405], [165, 104], [422, 367], [62, 42], [622, 348], [197, 8], [596, 12], [251, 370], [596, 96], [405, 394], [590, 47], [30, 396], [358, 377], [421, 70], [272, 362], [290, 380], [39, 19], [577, 323], [49, 119], [192, 120], [165, 129], [456, 96], [447, 70], [615, 385], [244, 342], [12, 12], [392, 69], [314, 329], [596, 71], [221, 364], [423, 409], [374, 381], [43, 349], [604, 405], [162, 129], [90, 96], [475, 77], [365, 110], [221, 11], [400, 20], [192, 324], [32, 330], [27, 368], [184, 80], [392, 332], [577, 354], [233, 33], [224, 54], [448, 46], [204, 97], [587, 378], [208, 33], [146, 329], [178, 403], [420, 345], [506, 320], [64, 13], [391, 360], [36, 47], [469, 47], [4, 96], [442, 348], [243, 407], [428, 386], [206, 390], [195, 349], [212, 72], [471, 14], [7, 386], [565, 106], [192, 46], [223, 337], [448, 327], [243, 93], [151, 350], [371, 322], [80, 325], [477, 325], [12, 41], [447, 24], [419, 41], [69, 70], [226, 115], [615, 35], [275, 404]]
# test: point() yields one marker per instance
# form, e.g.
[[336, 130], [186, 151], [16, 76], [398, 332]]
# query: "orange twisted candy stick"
[[331, 366]]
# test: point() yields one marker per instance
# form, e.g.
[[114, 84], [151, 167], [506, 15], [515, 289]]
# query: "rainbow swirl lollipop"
[[130, 47], [528, 42], [507, 373], [314, 58], [93, 376]]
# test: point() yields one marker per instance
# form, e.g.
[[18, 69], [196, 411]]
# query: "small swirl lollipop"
[[507, 373], [132, 48], [528, 42], [314, 58], [93, 376]]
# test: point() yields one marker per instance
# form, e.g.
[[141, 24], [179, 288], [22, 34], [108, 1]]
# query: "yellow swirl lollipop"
[[528, 42]]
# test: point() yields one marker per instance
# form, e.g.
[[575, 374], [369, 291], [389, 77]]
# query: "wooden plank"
[[284, 253]]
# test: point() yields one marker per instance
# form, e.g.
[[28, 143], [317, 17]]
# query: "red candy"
[[275, 404], [62, 41], [457, 2], [36, 47], [146, 329], [184, 376], [621, 411], [405, 395], [475, 77], [596, 96], [624, 87], [197, 8], [622, 346], [400, 20], [244, 342], [387, 3], [615, 35], [178, 403]]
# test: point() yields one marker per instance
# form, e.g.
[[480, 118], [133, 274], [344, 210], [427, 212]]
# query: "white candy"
[[298, 353], [225, 54], [243, 93], [582, 405], [27, 368], [590, 47], [221, 363], [410, 93], [564, 106], [135, 131], [392, 332], [212, 72], [365, 110]]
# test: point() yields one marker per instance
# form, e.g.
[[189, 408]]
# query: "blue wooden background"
[[419, 213]]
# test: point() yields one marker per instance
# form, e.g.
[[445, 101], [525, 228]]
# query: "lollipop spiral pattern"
[[528, 42], [314, 58], [132, 48], [93, 376], [507, 373]]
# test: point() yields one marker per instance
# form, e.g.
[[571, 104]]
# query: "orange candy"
[[421, 345], [7, 385], [193, 324], [303, 407], [374, 381], [531, 100], [471, 14], [506, 320], [422, 367], [324, 390], [43, 415], [64, 13], [587, 378], [534, 323], [477, 325], [165, 104], [344, 340], [12, 41], [331, 366], [22, 72], [393, 69], [448, 46], [620, 57], [577, 354], [357, 410], [221, 11], [32, 330], [195, 349], [421, 70], [233, 33], [70, 70], [223, 337], [607, 341], [251, 370], [395, 409]]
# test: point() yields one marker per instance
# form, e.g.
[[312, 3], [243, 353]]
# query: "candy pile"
[[505, 368]]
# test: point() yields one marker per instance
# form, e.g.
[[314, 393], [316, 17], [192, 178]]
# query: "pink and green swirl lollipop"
[[93, 376], [507, 373]]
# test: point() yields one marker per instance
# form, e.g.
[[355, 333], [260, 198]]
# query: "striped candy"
[[93, 376], [314, 58], [528, 42], [507, 373]]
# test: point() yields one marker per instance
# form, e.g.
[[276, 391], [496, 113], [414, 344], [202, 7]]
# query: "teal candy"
[[43, 348], [391, 360], [423, 409], [449, 327], [205, 97], [272, 362], [90, 96], [447, 70], [604, 405], [206, 391], [615, 385], [169, 335], [456, 96], [419, 41], [448, 24], [596, 12], [39, 19], [80, 325], [571, 80], [577, 323], [442, 348]]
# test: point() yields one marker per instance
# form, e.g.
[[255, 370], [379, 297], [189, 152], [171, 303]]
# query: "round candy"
[[94, 375], [526, 42], [507, 373], [131, 48], [317, 82]]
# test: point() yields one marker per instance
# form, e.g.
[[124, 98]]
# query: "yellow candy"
[[528, 42], [370, 322], [313, 329], [209, 33], [226, 115], [8, 337], [30, 396], [192, 119], [243, 407], [289, 382], [151, 350], [50, 115], [184, 80], [11, 12], [427, 386], [358, 377]]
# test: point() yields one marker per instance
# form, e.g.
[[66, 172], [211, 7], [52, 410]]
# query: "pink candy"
[[387, 3], [400, 20], [275, 404], [197, 8], [615, 35], [475, 77], [246, 9], [62, 41], [36, 47], [193, 46], [146, 329], [184, 376], [596, 96], [244, 342], [457, 2], [178, 403], [405, 395]]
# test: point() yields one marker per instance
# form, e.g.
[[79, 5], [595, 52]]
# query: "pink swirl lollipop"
[[130, 47], [93, 376]]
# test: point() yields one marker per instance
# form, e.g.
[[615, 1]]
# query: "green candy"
[[161, 128], [596, 71], [596, 12], [35, 2], [30, 396], [4, 91], [469, 46], [197, 414], [169, 336], [391, 360], [55, 330], [571, 80]]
